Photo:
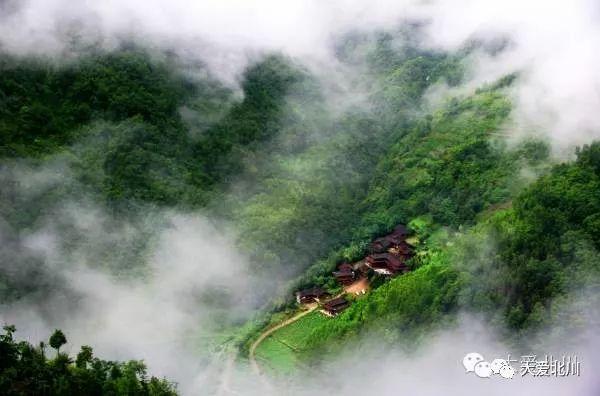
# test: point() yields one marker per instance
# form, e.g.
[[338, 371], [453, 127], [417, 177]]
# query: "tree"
[[57, 339], [84, 356], [24, 370], [42, 347], [9, 331]]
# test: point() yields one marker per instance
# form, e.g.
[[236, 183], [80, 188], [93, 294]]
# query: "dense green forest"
[[500, 229], [517, 266], [125, 108], [29, 370]]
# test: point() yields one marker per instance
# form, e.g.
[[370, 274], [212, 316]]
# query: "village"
[[387, 257]]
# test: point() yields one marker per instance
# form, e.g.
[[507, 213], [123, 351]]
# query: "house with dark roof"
[[311, 295], [335, 306], [380, 245], [345, 274], [386, 264], [384, 243]]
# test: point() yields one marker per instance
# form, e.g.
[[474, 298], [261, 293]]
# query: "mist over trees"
[[501, 228], [28, 370]]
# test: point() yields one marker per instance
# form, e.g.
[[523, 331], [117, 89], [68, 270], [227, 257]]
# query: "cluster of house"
[[388, 256], [330, 307], [390, 253]]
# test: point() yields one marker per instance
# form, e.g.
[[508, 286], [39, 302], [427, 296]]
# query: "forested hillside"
[[517, 266], [26, 369], [119, 135], [306, 182], [126, 112]]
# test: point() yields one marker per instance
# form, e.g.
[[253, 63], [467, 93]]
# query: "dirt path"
[[267, 333], [270, 331], [225, 379]]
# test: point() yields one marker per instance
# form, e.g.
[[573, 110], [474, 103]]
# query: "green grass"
[[276, 357], [282, 351]]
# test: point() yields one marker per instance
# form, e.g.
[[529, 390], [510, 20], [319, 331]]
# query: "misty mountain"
[[175, 195]]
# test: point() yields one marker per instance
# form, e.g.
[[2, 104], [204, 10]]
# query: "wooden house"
[[335, 306], [362, 269], [311, 295], [386, 264], [395, 240], [345, 274], [405, 248], [345, 267], [380, 245], [391, 241]]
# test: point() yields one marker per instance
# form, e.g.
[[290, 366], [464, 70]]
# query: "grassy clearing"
[[281, 352]]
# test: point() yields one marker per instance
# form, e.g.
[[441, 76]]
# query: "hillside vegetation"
[[28, 370], [500, 230]]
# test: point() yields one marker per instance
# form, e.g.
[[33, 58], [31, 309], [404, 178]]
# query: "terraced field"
[[280, 352]]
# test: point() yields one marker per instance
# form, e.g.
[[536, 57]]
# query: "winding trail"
[[225, 387], [270, 331]]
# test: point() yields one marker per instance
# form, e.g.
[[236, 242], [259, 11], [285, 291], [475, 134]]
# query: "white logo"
[[507, 371], [483, 370], [470, 360], [536, 366], [474, 362], [497, 365]]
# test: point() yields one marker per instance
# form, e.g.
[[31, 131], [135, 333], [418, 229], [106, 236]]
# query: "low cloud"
[[167, 302], [193, 281], [436, 368], [552, 44]]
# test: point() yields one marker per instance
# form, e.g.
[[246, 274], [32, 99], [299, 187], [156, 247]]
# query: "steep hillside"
[[99, 153], [516, 264]]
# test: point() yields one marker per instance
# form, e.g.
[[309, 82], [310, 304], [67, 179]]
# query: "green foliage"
[[57, 339], [402, 89], [254, 120], [523, 261], [283, 351], [26, 370], [562, 201], [444, 170], [446, 166], [308, 188], [526, 248], [144, 132], [309, 198], [553, 244], [516, 266], [402, 305], [43, 105], [134, 161]]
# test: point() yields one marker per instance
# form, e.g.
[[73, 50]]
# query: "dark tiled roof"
[[312, 292], [336, 303]]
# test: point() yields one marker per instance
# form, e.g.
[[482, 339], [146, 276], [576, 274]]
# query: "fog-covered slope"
[[163, 197]]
